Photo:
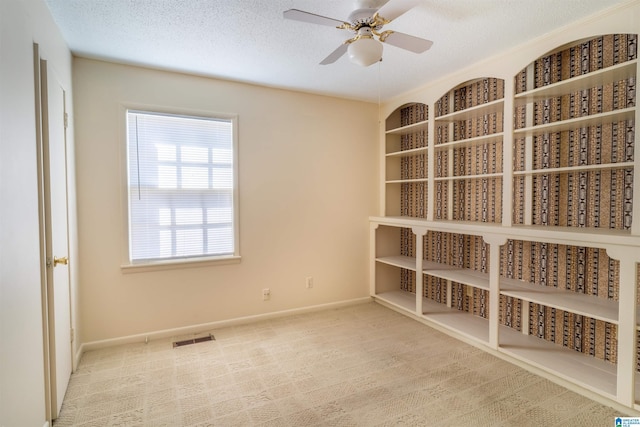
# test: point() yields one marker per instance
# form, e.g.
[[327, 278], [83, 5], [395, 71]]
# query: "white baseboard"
[[77, 357], [194, 329]]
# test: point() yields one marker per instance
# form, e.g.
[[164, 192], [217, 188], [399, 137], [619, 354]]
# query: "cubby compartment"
[[395, 266], [574, 347], [456, 283]]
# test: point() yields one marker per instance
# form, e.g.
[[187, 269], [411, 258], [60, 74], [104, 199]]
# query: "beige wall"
[[307, 174], [23, 22]]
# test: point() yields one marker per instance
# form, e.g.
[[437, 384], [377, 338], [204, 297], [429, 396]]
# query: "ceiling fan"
[[366, 22]]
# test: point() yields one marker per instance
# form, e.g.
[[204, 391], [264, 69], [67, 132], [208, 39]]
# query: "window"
[[182, 182]]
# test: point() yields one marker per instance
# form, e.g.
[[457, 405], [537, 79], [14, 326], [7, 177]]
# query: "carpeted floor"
[[363, 365]]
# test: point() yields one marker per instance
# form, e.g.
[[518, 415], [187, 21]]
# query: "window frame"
[[128, 266]]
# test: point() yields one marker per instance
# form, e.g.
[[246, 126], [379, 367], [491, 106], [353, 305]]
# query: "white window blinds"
[[181, 182]]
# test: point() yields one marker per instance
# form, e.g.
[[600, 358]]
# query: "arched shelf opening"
[[406, 161]]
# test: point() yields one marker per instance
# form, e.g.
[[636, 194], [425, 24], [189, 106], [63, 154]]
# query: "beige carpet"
[[363, 365]]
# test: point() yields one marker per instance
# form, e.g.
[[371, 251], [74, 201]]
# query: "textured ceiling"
[[249, 41]]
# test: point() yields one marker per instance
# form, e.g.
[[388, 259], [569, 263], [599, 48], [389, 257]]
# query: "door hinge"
[[66, 120], [49, 262]]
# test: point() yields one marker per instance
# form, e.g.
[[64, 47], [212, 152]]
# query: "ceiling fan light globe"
[[365, 51]]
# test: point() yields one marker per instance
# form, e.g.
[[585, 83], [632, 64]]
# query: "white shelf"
[[461, 322], [462, 177], [577, 122], [432, 265], [466, 276], [473, 112], [401, 299], [407, 153], [585, 305], [405, 130], [406, 181], [399, 261], [470, 142], [594, 79], [591, 373], [582, 168]]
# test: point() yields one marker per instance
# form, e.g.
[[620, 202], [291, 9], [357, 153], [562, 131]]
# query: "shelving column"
[[528, 178], [431, 156], [627, 320], [372, 257], [382, 160], [420, 232], [450, 165], [528, 152], [495, 242], [507, 155]]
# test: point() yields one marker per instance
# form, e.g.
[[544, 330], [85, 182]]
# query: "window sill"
[[178, 264]]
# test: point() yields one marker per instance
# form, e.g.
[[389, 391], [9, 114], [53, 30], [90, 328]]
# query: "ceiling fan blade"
[[300, 15], [335, 55], [405, 41], [395, 8]]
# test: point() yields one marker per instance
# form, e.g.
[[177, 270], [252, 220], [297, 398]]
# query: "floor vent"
[[209, 337]]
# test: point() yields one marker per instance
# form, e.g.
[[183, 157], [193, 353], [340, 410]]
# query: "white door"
[[58, 305]]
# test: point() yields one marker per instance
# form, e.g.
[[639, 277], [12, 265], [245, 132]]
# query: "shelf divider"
[[596, 78], [576, 123], [479, 110], [469, 142], [586, 305], [404, 130], [580, 168]]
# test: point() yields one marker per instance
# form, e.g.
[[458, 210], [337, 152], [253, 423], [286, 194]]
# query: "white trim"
[[123, 107], [78, 356], [193, 329], [172, 264]]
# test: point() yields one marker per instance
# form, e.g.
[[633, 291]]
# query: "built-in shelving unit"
[[523, 239]]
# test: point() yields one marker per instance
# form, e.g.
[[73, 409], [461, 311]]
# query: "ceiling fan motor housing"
[[363, 18]]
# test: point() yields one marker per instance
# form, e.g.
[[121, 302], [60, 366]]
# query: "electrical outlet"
[[309, 282], [266, 294]]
